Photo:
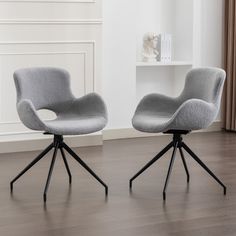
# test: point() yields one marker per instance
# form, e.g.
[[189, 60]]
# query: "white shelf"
[[172, 63]]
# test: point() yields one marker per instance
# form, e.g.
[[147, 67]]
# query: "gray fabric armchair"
[[49, 88], [196, 108]]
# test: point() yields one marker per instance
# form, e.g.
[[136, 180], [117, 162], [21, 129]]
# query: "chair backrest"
[[44, 86], [204, 83]]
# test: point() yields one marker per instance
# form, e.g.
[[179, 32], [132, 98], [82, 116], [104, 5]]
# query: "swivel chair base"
[[177, 143], [58, 143]]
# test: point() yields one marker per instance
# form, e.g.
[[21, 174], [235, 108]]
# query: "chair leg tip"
[[45, 198], [225, 191], [164, 196], [11, 186], [130, 184], [106, 191]]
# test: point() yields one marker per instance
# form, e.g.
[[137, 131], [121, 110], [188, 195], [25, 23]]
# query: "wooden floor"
[[196, 210]]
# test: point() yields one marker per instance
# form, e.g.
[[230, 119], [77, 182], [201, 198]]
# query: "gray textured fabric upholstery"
[[49, 88], [196, 107]]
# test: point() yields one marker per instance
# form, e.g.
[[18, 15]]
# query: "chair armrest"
[[194, 114], [28, 115], [90, 105], [157, 102]]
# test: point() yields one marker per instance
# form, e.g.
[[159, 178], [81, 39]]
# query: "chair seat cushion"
[[192, 114], [75, 125], [152, 122]]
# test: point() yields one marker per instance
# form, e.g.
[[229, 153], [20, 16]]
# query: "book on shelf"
[[164, 47]]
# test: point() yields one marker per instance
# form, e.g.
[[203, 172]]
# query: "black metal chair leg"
[[170, 170], [82, 163], [185, 164], [66, 164], [50, 172], [37, 159], [196, 158], [157, 157]]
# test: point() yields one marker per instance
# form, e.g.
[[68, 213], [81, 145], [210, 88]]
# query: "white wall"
[[212, 33], [123, 22], [119, 59]]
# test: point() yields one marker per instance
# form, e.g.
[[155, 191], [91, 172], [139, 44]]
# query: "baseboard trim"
[[38, 141], [126, 133], [215, 127]]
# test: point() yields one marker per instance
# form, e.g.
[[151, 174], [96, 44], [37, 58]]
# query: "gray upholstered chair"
[[196, 108], [49, 88]]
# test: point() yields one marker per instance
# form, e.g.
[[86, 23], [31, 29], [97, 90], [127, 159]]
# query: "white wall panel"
[[50, 9]]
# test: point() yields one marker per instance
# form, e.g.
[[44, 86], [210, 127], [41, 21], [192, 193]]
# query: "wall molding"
[[51, 21], [48, 1], [50, 53], [43, 53], [49, 42]]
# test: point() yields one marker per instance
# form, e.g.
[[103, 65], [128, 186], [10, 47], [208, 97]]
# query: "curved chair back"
[[204, 83], [43, 86]]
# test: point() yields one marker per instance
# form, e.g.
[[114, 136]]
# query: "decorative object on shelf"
[[150, 52], [164, 47]]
